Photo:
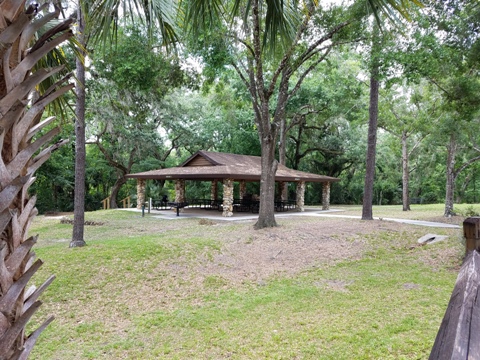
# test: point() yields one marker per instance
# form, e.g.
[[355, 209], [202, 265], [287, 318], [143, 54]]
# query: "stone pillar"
[[326, 196], [179, 192], [301, 196], [282, 190], [140, 193], [243, 189], [227, 197], [214, 190]]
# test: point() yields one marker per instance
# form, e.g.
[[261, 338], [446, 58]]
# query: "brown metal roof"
[[208, 165]]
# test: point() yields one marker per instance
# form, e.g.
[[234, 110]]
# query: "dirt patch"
[[64, 220], [56, 213], [248, 257], [254, 255]]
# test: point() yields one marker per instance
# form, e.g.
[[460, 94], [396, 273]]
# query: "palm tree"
[[28, 84], [97, 21]]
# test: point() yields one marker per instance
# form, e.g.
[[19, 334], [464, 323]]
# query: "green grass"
[[418, 212], [134, 293]]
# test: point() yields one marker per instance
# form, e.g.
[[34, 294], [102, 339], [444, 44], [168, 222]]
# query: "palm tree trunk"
[[405, 173], [367, 213], [450, 182], [22, 151], [80, 153]]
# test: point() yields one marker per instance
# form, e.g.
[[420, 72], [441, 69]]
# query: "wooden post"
[[106, 203], [459, 337], [471, 231]]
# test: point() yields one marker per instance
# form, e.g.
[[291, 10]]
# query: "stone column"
[[214, 190], [243, 189], [282, 190], [140, 193], [326, 196], [227, 197], [179, 192], [301, 196]]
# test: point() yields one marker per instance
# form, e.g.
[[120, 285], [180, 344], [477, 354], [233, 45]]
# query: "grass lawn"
[[146, 288]]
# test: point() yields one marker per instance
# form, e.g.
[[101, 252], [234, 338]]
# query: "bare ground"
[[297, 245]]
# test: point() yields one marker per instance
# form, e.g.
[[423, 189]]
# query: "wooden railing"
[[126, 203], [106, 203], [459, 335]]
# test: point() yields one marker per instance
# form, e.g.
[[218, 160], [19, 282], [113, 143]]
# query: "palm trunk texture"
[[80, 151], [367, 213], [405, 174], [25, 143]]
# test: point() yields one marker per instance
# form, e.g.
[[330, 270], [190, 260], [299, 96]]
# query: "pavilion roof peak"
[[208, 165], [211, 158]]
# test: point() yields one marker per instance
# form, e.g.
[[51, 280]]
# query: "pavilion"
[[230, 168]]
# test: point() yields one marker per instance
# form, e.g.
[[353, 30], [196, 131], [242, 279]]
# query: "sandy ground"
[[300, 244]]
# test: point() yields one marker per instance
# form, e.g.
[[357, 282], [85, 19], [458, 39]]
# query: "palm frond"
[[392, 8], [103, 16], [200, 14], [281, 21]]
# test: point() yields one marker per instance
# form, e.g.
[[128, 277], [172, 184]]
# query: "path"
[[315, 212]]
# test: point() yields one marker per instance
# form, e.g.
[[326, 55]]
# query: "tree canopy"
[[164, 106]]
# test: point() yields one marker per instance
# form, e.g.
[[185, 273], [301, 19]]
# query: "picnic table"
[[178, 206]]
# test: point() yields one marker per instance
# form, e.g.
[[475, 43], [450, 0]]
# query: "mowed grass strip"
[[135, 292]]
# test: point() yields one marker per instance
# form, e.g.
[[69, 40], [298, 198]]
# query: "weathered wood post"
[[471, 231], [459, 335]]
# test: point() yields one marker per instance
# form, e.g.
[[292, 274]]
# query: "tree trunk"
[[80, 153], [23, 149], [282, 154], [405, 173], [282, 141], [367, 213], [266, 217], [297, 157], [450, 184], [115, 190]]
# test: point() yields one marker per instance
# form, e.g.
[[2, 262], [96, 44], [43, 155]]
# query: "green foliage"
[[469, 211], [54, 182], [135, 64]]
